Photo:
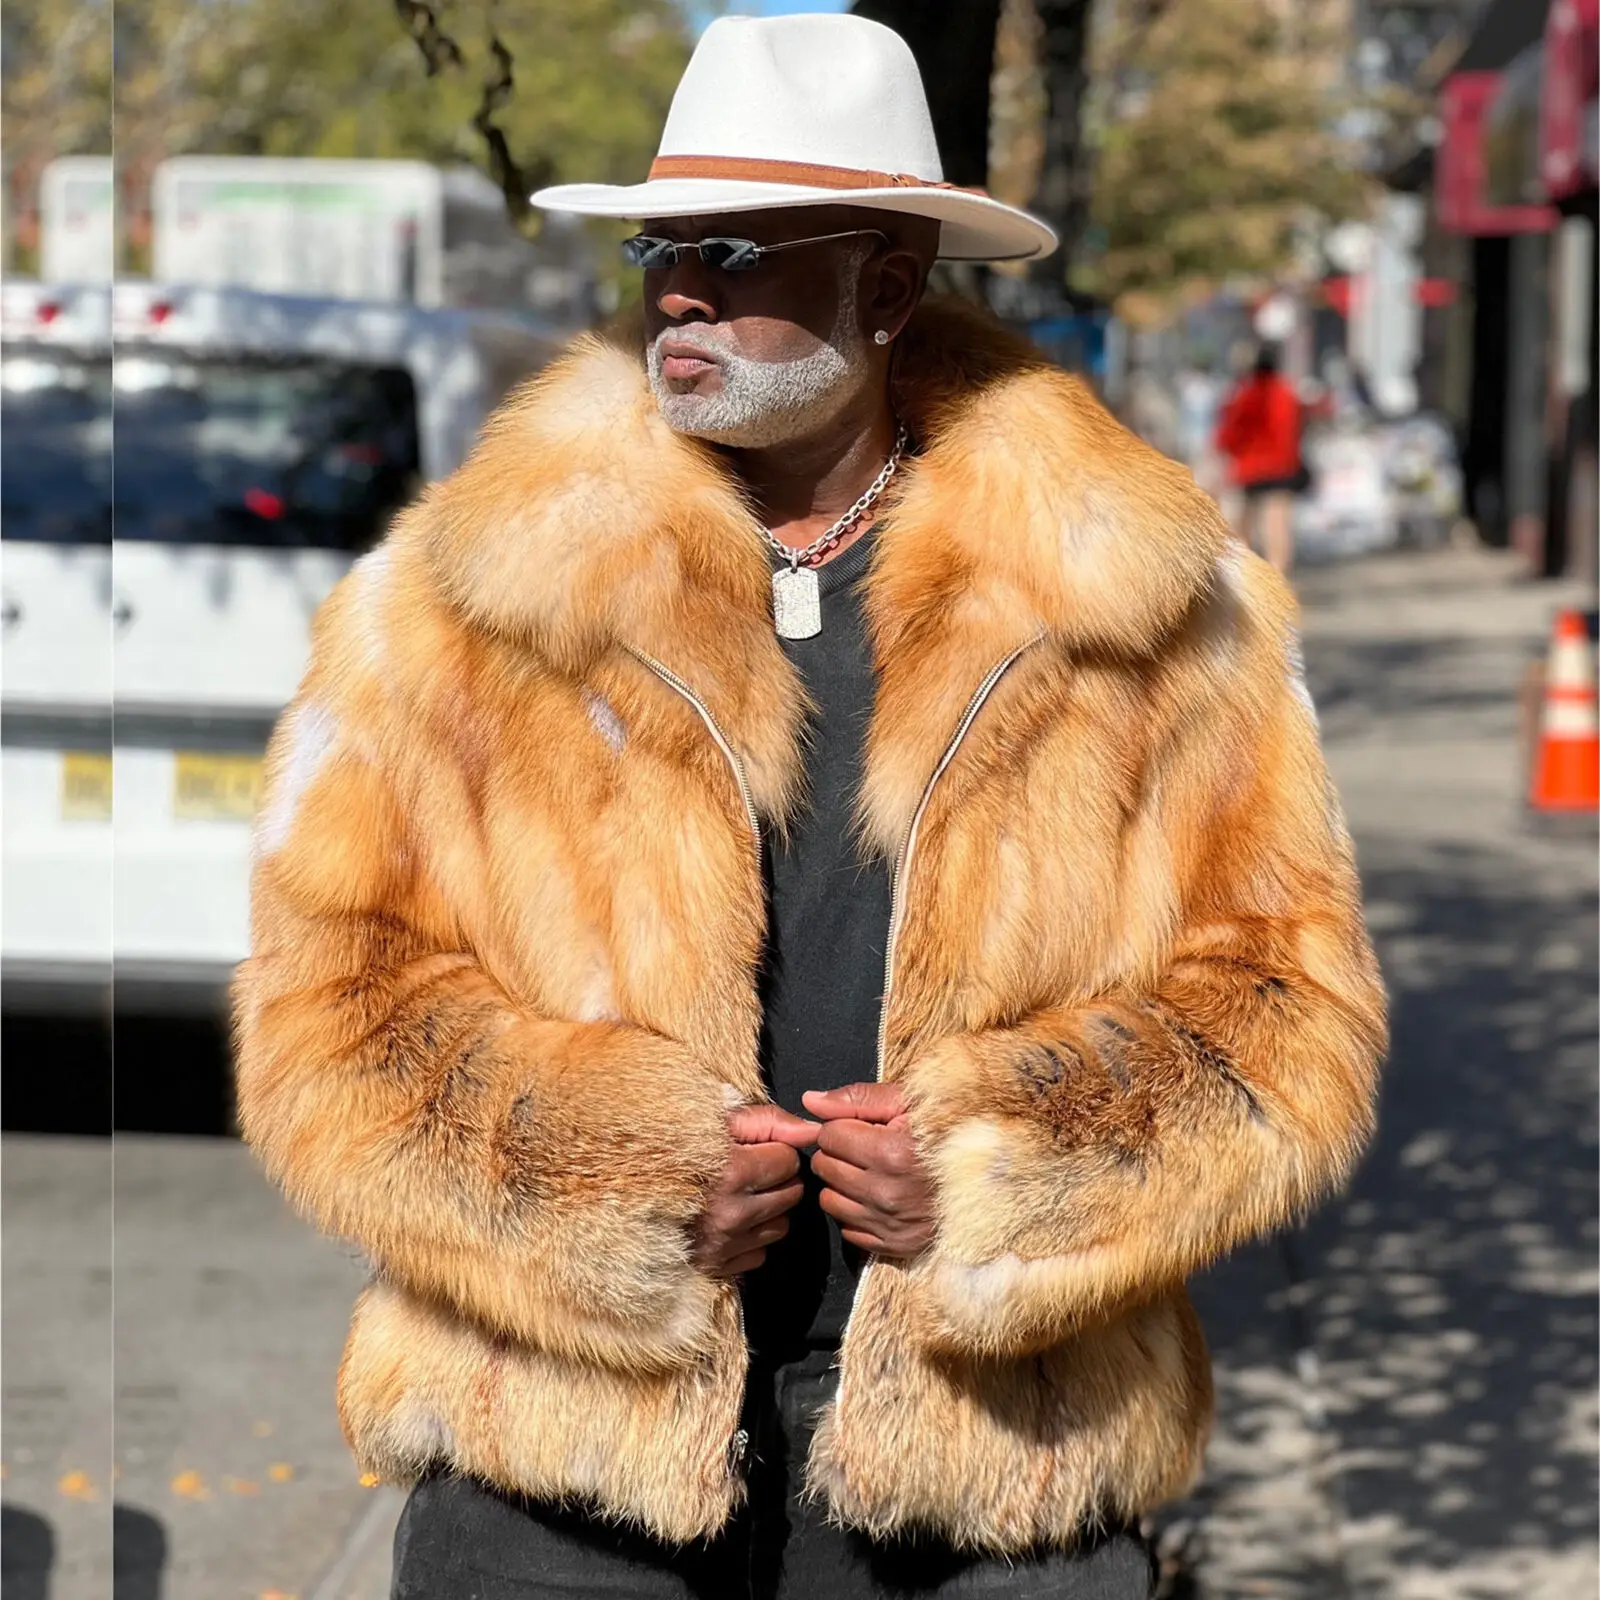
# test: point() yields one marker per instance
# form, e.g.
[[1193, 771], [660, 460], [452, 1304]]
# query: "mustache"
[[714, 344]]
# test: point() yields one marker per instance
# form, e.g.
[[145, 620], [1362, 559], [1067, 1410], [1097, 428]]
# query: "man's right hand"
[[748, 1208]]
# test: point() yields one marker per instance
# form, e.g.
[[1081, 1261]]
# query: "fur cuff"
[[1031, 1210], [608, 1185], [977, 1296]]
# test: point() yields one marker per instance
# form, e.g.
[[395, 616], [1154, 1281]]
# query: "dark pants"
[[460, 1540]]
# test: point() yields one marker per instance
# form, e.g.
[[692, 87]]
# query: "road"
[[1406, 1385]]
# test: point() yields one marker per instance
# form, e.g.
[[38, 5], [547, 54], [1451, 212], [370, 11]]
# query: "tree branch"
[[421, 22], [439, 53]]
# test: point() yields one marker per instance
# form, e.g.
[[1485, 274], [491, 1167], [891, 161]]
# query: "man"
[[798, 900]]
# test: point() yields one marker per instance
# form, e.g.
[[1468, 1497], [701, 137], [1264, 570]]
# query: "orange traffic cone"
[[1566, 769]]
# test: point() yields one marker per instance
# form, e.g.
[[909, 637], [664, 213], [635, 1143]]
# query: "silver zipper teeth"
[[673, 681], [902, 863], [903, 858], [671, 678]]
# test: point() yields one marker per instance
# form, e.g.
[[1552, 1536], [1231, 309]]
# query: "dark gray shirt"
[[822, 985]]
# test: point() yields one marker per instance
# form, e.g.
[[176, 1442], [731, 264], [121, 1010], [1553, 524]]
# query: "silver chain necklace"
[[796, 593]]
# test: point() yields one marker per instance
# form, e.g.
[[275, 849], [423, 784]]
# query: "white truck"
[[77, 238], [390, 232], [261, 444]]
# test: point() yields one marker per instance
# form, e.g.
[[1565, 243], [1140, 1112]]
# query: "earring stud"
[[881, 336]]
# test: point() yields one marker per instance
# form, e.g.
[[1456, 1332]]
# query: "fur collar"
[[581, 521]]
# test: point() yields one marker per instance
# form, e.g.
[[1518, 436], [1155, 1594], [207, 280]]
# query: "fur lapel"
[[581, 522]]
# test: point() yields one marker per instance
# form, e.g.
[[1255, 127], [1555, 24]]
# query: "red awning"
[[1338, 292], [1460, 169]]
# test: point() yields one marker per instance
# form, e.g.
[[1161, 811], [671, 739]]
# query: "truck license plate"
[[85, 786], [216, 788]]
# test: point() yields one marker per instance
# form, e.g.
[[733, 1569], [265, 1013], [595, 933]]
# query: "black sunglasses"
[[726, 255]]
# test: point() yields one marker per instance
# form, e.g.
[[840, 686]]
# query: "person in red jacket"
[[1259, 433]]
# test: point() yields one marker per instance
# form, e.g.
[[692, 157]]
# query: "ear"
[[892, 286]]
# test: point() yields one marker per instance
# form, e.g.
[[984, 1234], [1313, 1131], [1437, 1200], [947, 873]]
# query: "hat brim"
[[975, 227]]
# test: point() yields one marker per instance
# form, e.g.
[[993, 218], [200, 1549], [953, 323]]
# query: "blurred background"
[[232, 348]]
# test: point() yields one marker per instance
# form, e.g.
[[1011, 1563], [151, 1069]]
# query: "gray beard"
[[763, 403]]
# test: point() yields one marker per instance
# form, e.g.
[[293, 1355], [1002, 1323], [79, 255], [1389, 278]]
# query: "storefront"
[[1501, 307], [1565, 154], [1515, 182]]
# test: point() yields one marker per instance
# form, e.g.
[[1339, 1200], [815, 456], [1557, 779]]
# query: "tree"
[[1017, 106], [55, 100], [1007, 85], [575, 89], [1062, 194], [1217, 146], [954, 47], [173, 60]]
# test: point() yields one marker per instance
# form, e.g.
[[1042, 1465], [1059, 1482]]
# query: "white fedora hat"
[[807, 110]]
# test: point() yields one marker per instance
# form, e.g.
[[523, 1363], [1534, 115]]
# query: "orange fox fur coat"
[[507, 917]]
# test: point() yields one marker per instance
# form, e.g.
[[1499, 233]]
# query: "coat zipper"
[[673, 681], [740, 1441], [897, 881], [903, 857]]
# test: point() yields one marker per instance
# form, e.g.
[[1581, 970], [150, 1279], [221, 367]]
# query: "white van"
[[260, 444], [55, 644]]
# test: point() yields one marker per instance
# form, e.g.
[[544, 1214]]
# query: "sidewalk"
[[230, 1318], [1406, 1388], [232, 1481]]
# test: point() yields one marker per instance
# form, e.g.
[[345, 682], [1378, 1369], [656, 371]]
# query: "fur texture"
[[507, 918]]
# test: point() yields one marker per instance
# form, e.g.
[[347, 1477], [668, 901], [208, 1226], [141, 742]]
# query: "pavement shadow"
[[1362, 685], [174, 1075], [1454, 1287], [27, 1554], [138, 1554], [55, 1074], [1406, 1387]]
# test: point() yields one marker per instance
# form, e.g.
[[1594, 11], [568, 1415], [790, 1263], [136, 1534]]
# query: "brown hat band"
[[806, 174]]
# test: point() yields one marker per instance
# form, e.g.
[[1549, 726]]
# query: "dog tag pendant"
[[796, 603]]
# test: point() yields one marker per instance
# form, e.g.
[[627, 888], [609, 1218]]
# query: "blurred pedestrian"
[[1259, 433], [806, 727]]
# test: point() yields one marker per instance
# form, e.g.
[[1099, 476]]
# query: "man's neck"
[[803, 487]]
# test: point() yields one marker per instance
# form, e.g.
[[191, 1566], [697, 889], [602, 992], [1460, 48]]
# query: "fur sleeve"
[[1096, 1153], [540, 1176]]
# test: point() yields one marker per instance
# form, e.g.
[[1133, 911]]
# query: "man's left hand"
[[877, 1189]]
